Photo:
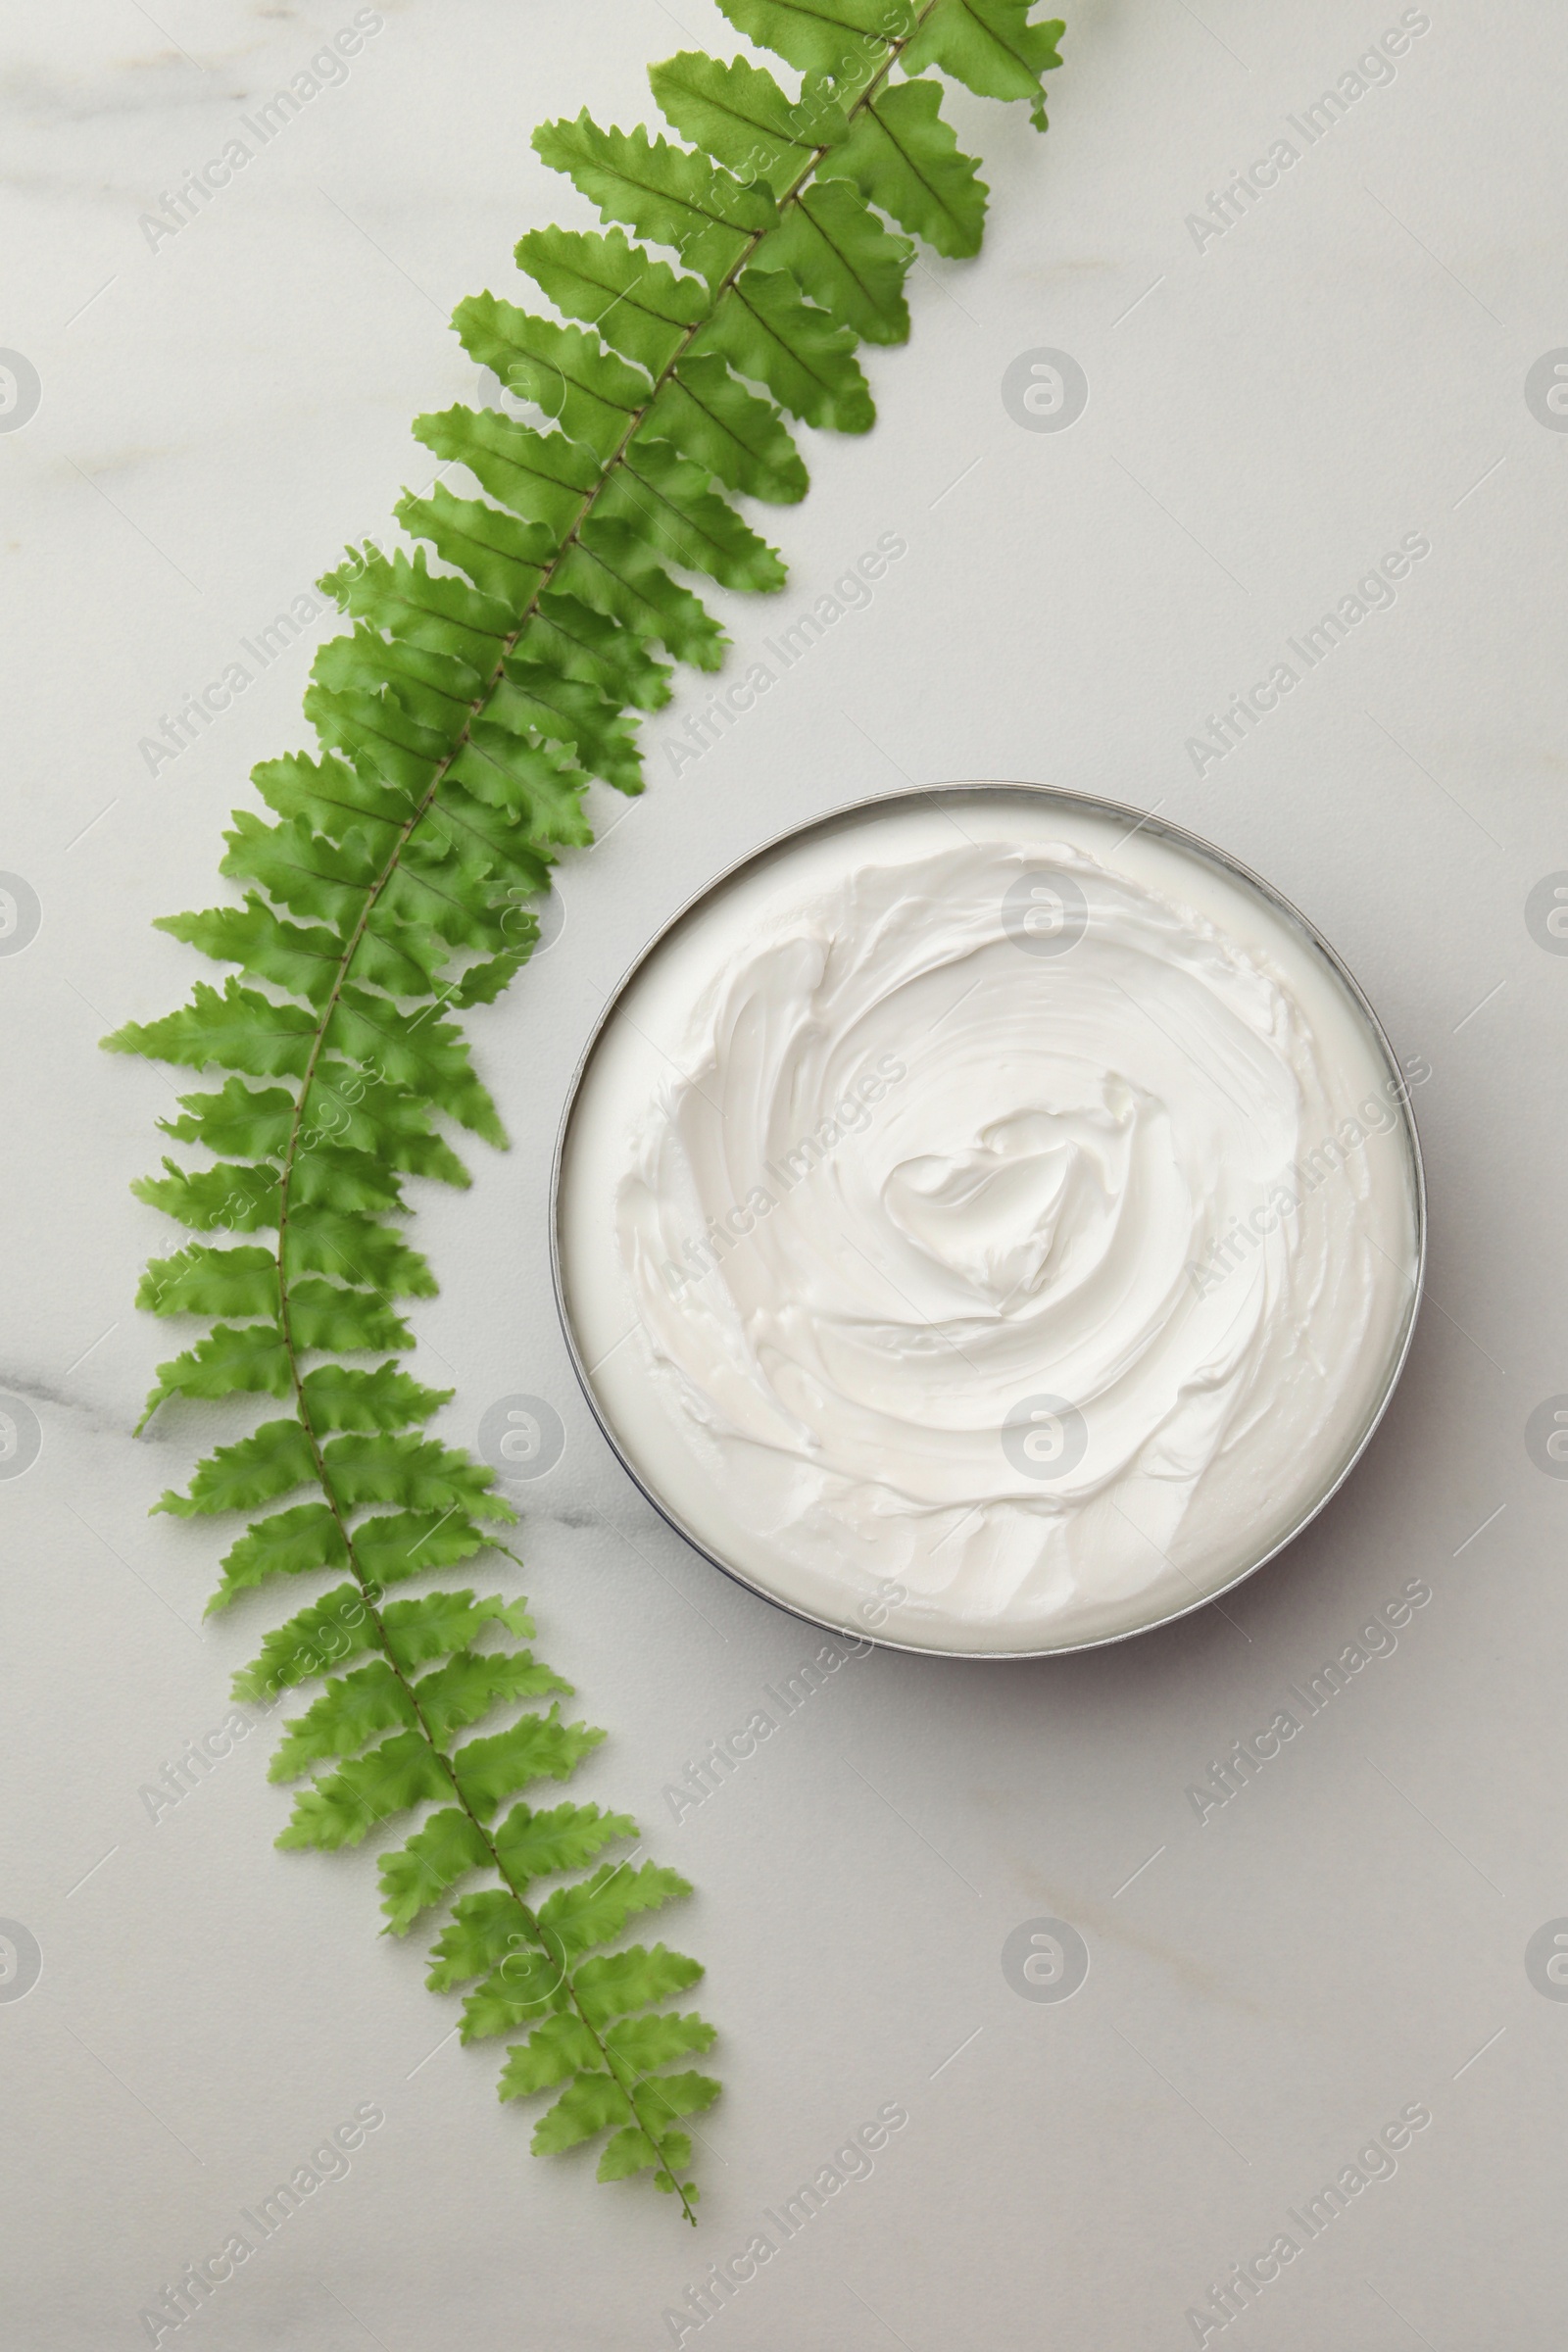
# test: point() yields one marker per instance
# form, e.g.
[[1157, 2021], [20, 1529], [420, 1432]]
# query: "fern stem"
[[368, 1588]]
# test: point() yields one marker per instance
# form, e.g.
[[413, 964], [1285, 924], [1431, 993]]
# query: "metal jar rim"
[[925, 796]]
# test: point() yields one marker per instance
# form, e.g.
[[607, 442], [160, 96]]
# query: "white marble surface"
[[1348, 1937]]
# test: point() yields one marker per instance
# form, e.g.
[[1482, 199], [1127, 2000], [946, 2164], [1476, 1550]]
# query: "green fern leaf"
[[539, 1747], [437, 1623], [394, 879], [618, 1983], [592, 2105], [469, 1684], [643, 2043], [203, 1281], [503, 557], [502, 781], [630, 2151], [639, 305], [902, 156], [823, 36], [990, 47], [347, 1322], [403, 958], [669, 2096], [335, 1630], [328, 1633], [566, 711], [348, 1182], [271, 1461], [354, 1122], [666, 497], [337, 1397], [596, 2102], [593, 396], [432, 689], [388, 1467], [739, 114], [251, 1121], [598, 1909], [568, 637], [841, 254], [527, 1986], [233, 1360], [562, 2046], [483, 983], [290, 1543], [342, 1809], [427, 1057], [806, 363], [234, 1029], [332, 796], [484, 1930], [303, 961], [350, 1712], [543, 477], [534, 1845], [310, 874], [707, 413], [415, 1876], [400, 1545], [403, 597], [233, 1199], [663, 192], [615, 571], [328, 1241]]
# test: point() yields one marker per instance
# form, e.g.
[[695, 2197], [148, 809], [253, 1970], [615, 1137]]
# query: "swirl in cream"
[[977, 1249]]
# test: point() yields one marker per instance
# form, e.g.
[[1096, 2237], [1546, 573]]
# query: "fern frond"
[[389, 879]]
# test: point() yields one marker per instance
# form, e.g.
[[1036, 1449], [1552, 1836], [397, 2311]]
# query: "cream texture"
[[984, 1232]]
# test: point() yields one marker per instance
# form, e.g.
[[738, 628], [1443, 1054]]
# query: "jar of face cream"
[[990, 1221]]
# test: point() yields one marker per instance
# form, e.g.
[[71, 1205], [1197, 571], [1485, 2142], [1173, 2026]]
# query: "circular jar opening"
[[988, 1221]]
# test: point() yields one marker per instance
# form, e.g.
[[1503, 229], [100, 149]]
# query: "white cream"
[[893, 1220]]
